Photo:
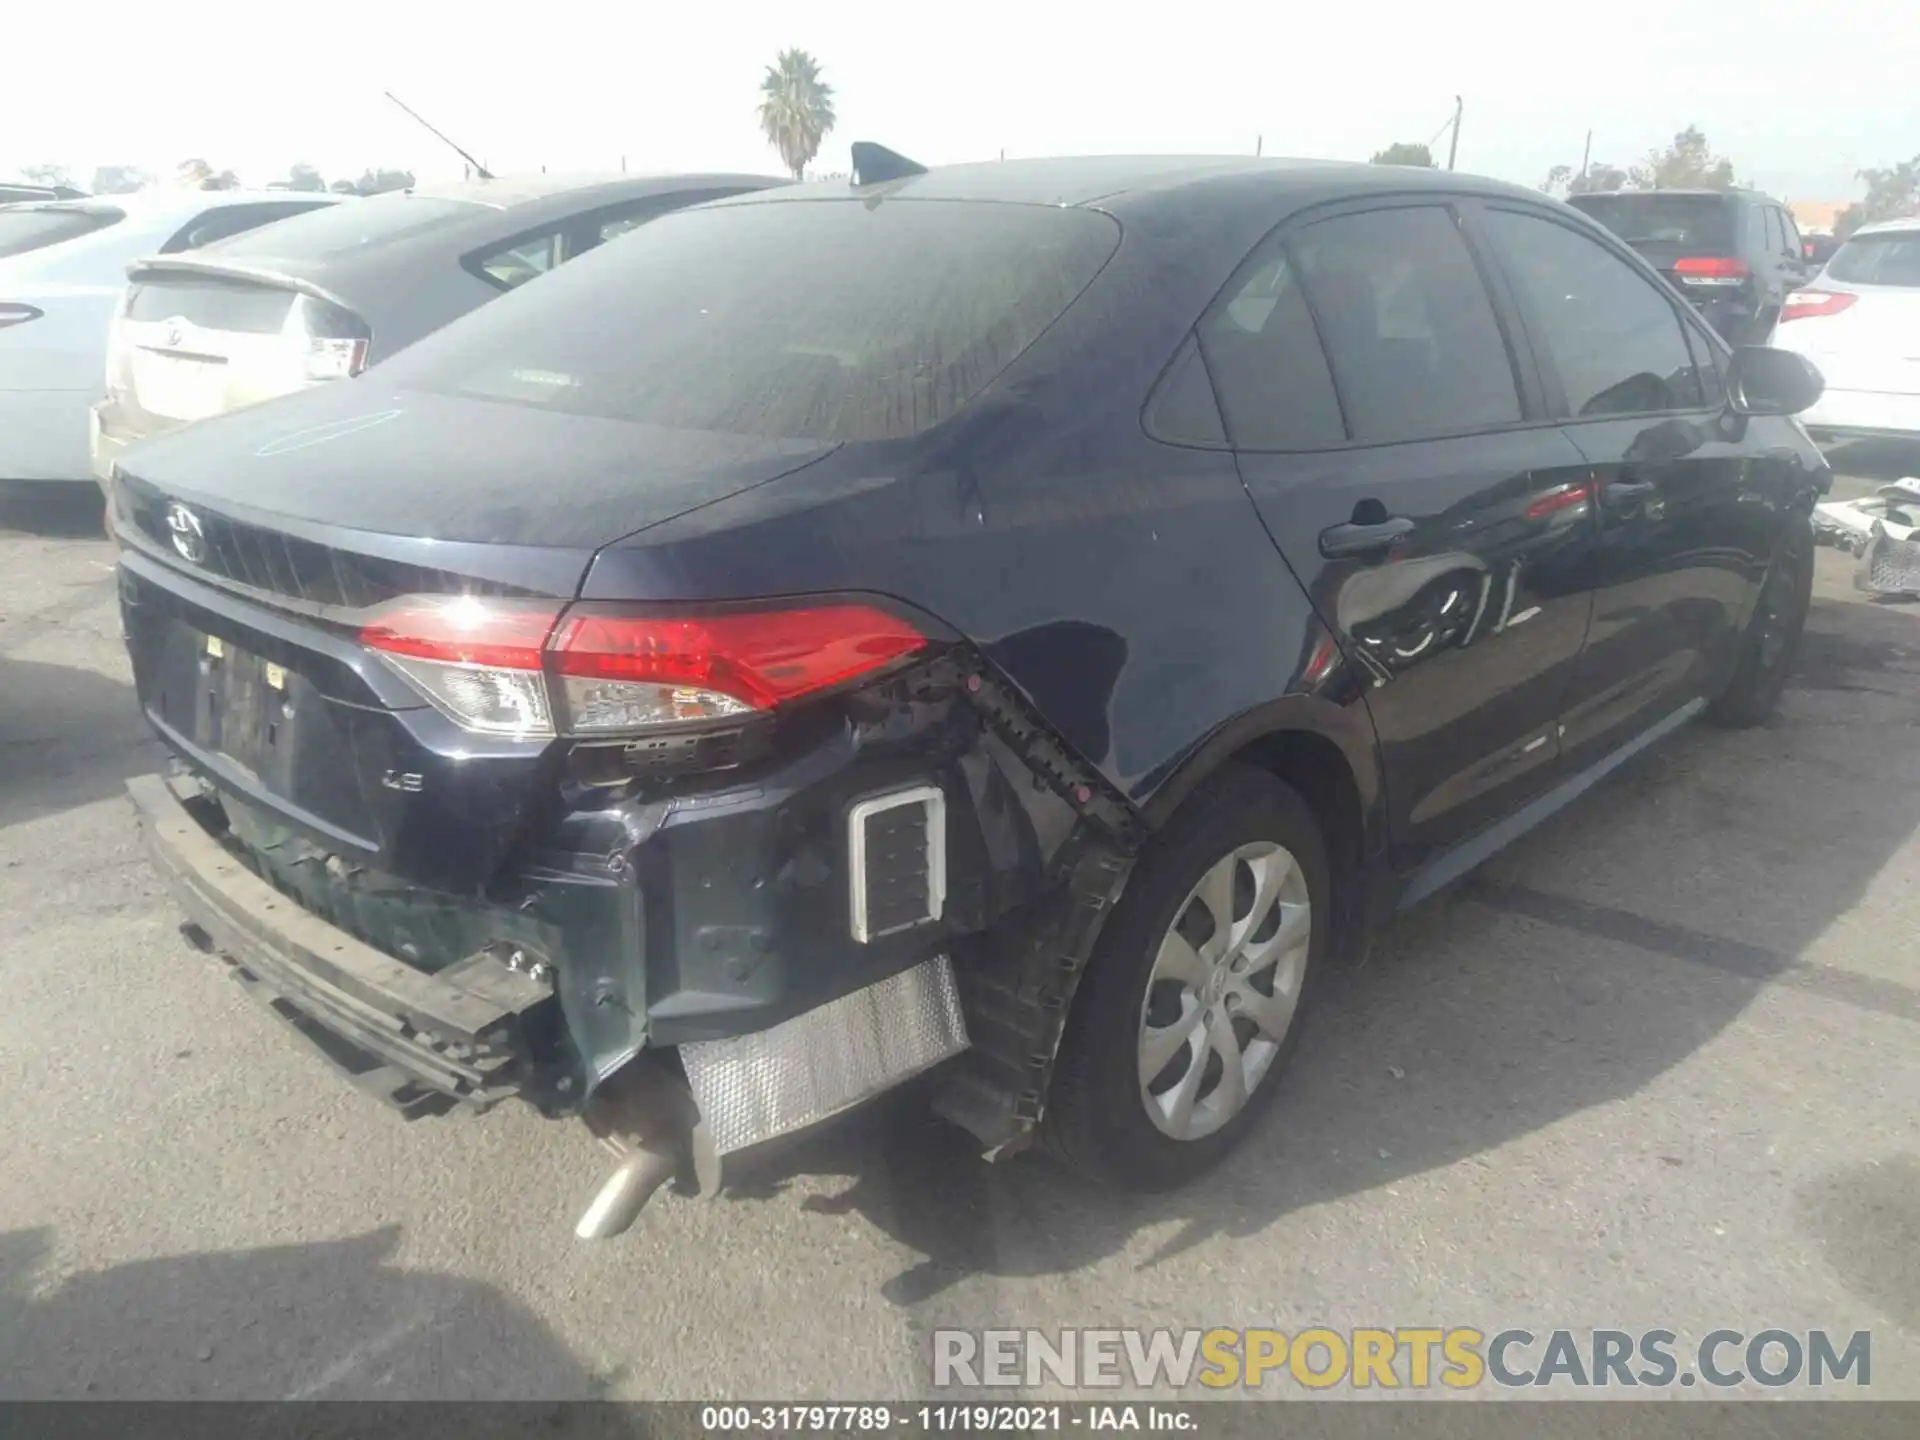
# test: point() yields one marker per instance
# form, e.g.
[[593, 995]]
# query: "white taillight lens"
[[334, 359], [486, 699], [602, 706], [329, 343], [478, 660]]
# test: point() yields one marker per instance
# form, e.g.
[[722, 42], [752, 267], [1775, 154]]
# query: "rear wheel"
[[1773, 634], [1192, 1003]]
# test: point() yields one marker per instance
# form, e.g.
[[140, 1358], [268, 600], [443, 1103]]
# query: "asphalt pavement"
[[1656, 1067]]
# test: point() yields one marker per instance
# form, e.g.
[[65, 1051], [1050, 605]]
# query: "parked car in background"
[[1818, 249], [1736, 254], [721, 672], [63, 267], [12, 193], [325, 296], [1860, 324]]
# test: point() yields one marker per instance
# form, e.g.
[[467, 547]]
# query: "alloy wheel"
[[1223, 990]]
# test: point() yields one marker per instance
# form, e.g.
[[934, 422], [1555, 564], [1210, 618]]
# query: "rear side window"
[[218, 224], [1614, 339], [1415, 348], [1791, 235], [1276, 392], [808, 320], [1701, 224], [522, 261], [34, 227], [1892, 258]]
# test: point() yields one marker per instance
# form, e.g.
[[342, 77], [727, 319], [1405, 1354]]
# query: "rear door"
[[1391, 434], [1681, 546]]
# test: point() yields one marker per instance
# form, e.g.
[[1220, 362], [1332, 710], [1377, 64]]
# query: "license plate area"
[[246, 704]]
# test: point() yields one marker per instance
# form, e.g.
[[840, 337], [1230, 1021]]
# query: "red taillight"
[[1807, 304], [1710, 270], [14, 313], [464, 630], [1710, 267], [762, 658], [481, 660]]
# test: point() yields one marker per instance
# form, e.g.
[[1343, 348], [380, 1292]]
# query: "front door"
[[1441, 524], [1686, 522]]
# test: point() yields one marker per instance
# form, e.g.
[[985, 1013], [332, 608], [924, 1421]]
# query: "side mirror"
[[1766, 381]]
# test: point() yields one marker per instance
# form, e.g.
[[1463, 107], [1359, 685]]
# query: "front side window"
[[1409, 329], [1613, 338]]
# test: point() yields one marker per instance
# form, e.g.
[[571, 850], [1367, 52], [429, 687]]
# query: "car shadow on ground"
[[68, 737], [1491, 1012], [313, 1321], [68, 512], [1879, 461]]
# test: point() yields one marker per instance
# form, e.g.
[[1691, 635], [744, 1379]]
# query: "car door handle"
[[1354, 538], [1620, 494]]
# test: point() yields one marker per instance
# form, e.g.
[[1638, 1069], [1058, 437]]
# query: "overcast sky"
[[1799, 95]]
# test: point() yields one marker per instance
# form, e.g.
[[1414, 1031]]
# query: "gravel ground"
[[1655, 1067]]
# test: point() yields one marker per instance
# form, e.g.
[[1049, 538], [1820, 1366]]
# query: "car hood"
[[371, 458]]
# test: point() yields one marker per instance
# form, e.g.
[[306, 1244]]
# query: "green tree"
[[1562, 180], [796, 109], [375, 182], [47, 175], [1687, 164], [1892, 193], [305, 177], [120, 179], [1404, 152]]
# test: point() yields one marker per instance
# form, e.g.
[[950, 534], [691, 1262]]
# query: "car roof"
[[160, 203], [1735, 192], [1102, 179], [505, 192], [1906, 224]]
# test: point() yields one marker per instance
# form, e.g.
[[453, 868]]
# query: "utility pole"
[[1453, 144], [1258, 141], [1586, 158]]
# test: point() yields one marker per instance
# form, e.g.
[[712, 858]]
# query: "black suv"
[[1027, 619], [1736, 254]]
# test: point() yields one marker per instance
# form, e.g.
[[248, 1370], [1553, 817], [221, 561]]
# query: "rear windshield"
[[1692, 222], [808, 320], [1888, 259], [335, 231], [33, 227]]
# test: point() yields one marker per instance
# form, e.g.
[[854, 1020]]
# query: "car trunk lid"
[[244, 599]]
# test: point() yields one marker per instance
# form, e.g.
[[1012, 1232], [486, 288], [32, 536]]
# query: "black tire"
[[1097, 1120], [1772, 640]]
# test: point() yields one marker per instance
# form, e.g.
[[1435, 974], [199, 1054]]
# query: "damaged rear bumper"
[[423, 1043]]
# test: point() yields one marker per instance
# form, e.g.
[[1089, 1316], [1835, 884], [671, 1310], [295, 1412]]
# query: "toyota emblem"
[[188, 538]]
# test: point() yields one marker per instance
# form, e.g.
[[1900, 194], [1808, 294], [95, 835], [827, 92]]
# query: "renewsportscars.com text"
[[1408, 1357]]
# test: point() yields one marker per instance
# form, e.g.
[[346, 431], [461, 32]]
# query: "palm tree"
[[796, 108]]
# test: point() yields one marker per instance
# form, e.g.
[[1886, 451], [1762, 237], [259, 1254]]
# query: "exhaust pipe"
[[647, 1117], [627, 1191]]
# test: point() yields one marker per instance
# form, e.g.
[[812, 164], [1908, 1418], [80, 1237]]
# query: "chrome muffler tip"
[[647, 1167]]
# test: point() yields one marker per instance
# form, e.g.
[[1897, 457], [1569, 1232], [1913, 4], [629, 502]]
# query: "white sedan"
[[63, 268], [1859, 322]]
